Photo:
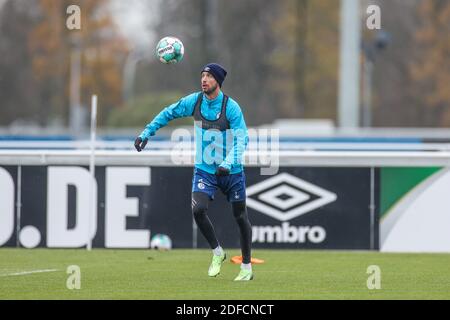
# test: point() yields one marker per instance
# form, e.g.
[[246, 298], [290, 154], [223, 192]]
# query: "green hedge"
[[143, 109]]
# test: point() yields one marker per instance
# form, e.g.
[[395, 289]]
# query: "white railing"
[[252, 158], [167, 145]]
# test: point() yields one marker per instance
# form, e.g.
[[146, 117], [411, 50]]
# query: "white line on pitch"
[[27, 272]]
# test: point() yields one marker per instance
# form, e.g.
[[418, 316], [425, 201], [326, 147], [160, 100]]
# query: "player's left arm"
[[240, 136]]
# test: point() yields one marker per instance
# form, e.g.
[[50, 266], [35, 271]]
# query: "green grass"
[[182, 274]]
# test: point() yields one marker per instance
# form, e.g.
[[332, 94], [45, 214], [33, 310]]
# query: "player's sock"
[[246, 266], [240, 214], [218, 251], [199, 210]]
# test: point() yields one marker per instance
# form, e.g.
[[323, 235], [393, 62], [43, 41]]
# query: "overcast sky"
[[135, 18]]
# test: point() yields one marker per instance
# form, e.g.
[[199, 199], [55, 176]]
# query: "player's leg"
[[203, 189], [234, 187], [245, 228], [200, 202]]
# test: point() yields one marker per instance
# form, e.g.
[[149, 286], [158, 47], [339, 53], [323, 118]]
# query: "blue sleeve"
[[183, 108], [240, 136]]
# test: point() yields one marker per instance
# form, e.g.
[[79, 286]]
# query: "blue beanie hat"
[[217, 71]]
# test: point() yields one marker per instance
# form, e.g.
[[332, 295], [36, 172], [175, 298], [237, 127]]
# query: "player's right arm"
[[183, 108]]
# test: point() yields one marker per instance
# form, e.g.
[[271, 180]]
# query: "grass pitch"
[[182, 274]]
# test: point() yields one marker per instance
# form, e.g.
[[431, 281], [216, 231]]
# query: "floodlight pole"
[[75, 113], [348, 104], [367, 89]]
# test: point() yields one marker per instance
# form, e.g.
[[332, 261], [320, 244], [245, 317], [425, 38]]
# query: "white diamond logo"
[[301, 197], [295, 197]]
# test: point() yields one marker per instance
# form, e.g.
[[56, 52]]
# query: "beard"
[[211, 90]]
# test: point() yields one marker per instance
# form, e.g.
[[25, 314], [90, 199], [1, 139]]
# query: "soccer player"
[[219, 126]]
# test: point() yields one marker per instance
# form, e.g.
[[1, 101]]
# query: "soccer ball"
[[170, 50], [161, 242]]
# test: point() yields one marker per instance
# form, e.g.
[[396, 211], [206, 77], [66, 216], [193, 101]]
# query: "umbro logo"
[[285, 197]]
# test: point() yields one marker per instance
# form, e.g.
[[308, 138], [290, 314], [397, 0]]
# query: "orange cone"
[[238, 260]]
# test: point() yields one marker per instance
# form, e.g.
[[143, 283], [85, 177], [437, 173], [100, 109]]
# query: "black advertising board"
[[313, 208]]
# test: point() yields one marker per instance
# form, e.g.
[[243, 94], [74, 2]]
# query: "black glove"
[[139, 144], [221, 171]]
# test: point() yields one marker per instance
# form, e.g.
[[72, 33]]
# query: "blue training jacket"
[[213, 148]]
